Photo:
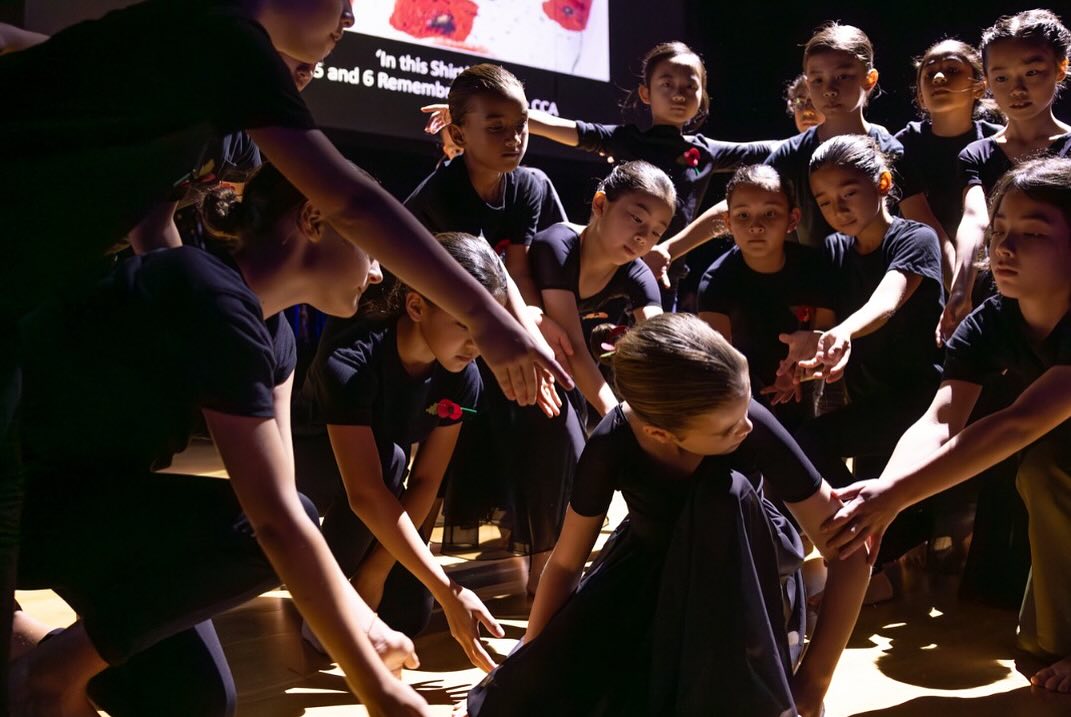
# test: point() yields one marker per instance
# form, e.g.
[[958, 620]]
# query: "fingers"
[[548, 363], [874, 547], [490, 623], [412, 662], [502, 375], [838, 367], [478, 656], [664, 278], [518, 376], [860, 539], [566, 346]]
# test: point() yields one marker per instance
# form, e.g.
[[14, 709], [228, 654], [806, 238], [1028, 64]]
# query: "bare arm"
[[557, 129], [156, 230], [705, 227], [917, 208], [263, 480], [970, 238], [13, 39], [845, 587], [563, 570], [367, 215], [392, 522], [561, 306]]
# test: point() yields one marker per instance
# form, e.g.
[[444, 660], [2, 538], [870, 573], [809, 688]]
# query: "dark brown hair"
[[763, 176], [1040, 27], [834, 37], [673, 368], [638, 176], [238, 221], [794, 90], [484, 79]]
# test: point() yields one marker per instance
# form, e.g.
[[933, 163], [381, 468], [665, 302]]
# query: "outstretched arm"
[[367, 215], [970, 238]]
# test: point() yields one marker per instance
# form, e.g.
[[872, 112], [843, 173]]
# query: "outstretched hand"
[[831, 357], [802, 345], [868, 510], [658, 259], [438, 117], [520, 364], [465, 613]]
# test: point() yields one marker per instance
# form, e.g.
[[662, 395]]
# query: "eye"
[[636, 219], [741, 215], [772, 214], [1032, 73], [999, 78]]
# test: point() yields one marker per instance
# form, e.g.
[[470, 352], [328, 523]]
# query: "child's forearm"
[[708, 225], [557, 129], [845, 587], [555, 586]]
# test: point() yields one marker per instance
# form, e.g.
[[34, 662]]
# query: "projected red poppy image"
[[450, 19], [570, 14]]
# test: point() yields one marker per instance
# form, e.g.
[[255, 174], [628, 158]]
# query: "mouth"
[[1019, 105], [462, 358], [1004, 270], [511, 155]]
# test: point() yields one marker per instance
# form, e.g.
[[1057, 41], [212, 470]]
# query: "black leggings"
[[406, 605], [146, 560]]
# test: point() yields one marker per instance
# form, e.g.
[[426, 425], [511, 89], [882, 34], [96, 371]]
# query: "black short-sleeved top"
[[115, 379], [902, 353], [555, 260], [108, 117], [793, 159], [357, 379], [613, 460], [930, 166], [664, 146], [983, 163], [762, 306], [446, 201]]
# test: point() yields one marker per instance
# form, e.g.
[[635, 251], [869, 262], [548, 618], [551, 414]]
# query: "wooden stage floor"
[[922, 655]]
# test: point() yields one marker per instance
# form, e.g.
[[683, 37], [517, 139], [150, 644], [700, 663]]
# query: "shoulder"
[[195, 277], [531, 182], [351, 352], [987, 129], [561, 238], [978, 151], [911, 132], [989, 320], [793, 146], [887, 143]]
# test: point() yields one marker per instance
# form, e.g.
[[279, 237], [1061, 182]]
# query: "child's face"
[[837, 82], [494, 131], [719, 431], [631, 224], [805, 114], [1023, 77], [307, 30], [848, 198], [1030, 248], [449, 339], [675, 91], [759, 220], [342, 270], [947, 85]]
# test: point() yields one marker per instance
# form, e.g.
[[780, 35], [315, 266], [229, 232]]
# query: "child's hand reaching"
[[785, 389], [438, 117], [802, 346], [829, 361]]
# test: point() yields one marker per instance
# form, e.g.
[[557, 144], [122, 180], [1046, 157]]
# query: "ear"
[[645, 94], [415, 306], [1061, 70], [871, 79], [310, 221], [598, 204], [659, 434], [793, 219], [885, 183], [456, 134]]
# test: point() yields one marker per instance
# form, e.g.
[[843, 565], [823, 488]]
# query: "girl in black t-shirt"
[[580, 269], [111, 380], [380, 386], [766, 286], [1025, 58], [949, 89], [888, 291], [685, 604], [1025, 332]]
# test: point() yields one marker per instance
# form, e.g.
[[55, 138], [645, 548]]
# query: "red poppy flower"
[[447, 409], [804, 314], [690, 158], [500, 247]]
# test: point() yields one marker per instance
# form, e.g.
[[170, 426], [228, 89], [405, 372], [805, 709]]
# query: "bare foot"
[[1055, 677]]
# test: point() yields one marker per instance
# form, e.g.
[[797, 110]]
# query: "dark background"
[[752, 49]]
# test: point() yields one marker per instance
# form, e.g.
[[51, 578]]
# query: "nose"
[[745, 427], [346, 20], [375, 272], [939, 78]]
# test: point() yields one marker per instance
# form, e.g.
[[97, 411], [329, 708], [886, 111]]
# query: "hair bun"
[[221, 212]]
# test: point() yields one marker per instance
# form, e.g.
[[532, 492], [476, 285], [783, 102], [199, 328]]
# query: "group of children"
[[516, 367]]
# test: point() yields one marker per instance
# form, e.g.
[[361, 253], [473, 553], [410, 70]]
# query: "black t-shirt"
[[108, 117], [930, 166], [902, 354], [555, 260], [115, 379], [762, 306], [357, 379], [993, 340], [793, 159], [983, 163], [613, 460], [446, 201], [664, 146]]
